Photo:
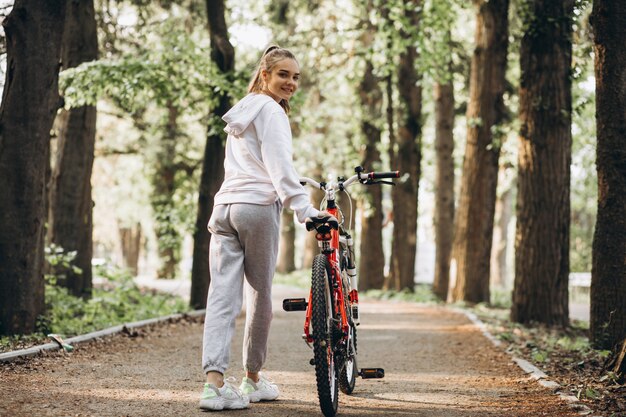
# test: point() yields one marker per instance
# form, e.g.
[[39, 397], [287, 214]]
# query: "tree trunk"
[[164, 186], [371, 258], [499, 268], [70, 225], [543, 200], [34, 31], [444, 186], [473, 231], [391, 131], [407, 159], [608, 275], [286, 250], [131, 239], [223, 54], [617, 364]]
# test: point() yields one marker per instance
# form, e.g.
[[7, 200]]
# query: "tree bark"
[[473, 230], [543, 203], [286, 250], [504, 211], [34, 31], [131, 239], [223, 54], [70, 219], [164, 186], [371, 259], [444, 187], [608, 275], [407, 159]]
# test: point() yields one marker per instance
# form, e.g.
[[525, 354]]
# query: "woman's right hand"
[[324, 213]]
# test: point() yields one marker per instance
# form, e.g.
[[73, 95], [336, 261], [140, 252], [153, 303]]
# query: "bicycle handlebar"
[[364, 178], [380, 175]]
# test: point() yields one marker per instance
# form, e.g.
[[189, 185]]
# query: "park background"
[[487, 108]]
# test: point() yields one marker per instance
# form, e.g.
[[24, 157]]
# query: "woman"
[[259, 180]]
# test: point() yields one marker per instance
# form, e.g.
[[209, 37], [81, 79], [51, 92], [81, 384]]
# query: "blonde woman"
[[259, 180]]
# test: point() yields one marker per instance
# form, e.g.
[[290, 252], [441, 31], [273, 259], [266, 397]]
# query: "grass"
[[300, 278], [421, 294], [118, 300]]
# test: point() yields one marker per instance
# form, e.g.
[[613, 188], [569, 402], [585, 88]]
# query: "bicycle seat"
[[315, 222]]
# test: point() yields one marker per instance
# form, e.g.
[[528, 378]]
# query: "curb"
[[535, 373], [9, 356]]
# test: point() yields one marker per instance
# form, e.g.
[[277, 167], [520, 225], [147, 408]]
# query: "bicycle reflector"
[[322, 236], [323, 232]]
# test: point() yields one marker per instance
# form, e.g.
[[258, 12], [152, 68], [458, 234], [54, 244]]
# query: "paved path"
[[437, 364]]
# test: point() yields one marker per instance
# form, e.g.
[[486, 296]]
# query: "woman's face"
[[283, 79]]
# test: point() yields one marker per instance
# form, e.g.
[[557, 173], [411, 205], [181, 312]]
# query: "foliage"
[[118, 300], [115, 300], [420, 294], [60, 262], [500, 298], [172, 68], [436, 46]]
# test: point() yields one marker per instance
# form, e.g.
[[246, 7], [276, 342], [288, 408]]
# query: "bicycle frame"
[[330, 248], [338, 294]]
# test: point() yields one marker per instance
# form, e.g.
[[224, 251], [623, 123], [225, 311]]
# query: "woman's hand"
[[324, 213]]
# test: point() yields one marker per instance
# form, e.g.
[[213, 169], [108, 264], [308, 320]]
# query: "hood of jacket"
[[244, 112]]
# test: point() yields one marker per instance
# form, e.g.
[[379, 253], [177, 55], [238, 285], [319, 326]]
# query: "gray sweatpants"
[[244, 242]]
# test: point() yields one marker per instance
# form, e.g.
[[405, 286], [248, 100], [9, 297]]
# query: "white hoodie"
[[259, 158]]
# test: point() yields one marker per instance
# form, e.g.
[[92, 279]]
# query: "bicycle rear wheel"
[[322, 323], [349, 372]]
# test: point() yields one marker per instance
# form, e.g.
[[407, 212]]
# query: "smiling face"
[[282, 80]]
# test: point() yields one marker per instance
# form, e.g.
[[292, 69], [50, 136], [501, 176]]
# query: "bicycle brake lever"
[[371, 182]]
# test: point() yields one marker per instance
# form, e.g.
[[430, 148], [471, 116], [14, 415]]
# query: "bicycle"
[[332, 310]]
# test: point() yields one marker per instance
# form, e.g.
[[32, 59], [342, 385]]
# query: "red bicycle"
[[332, 310]]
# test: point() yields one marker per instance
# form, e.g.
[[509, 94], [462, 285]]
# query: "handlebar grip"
[[380, 175]]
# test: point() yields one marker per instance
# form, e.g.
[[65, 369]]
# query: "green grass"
[[300, 278], [420, 294], [118, 301]]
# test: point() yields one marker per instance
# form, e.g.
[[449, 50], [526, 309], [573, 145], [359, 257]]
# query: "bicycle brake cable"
[[350, 200]]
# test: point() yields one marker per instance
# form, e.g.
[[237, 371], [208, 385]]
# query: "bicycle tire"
[[321, 321], [349, 371]]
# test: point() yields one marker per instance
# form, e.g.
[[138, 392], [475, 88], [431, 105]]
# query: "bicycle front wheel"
[[322, 323]]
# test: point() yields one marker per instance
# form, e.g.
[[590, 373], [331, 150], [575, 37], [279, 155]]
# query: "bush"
[[115, 300]]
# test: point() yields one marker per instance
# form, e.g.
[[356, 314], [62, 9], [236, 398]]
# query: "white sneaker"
[[264, 390], [227, 397]]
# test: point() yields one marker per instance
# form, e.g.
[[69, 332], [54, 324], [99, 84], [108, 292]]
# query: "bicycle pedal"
[[371, 373], [295, 304]]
